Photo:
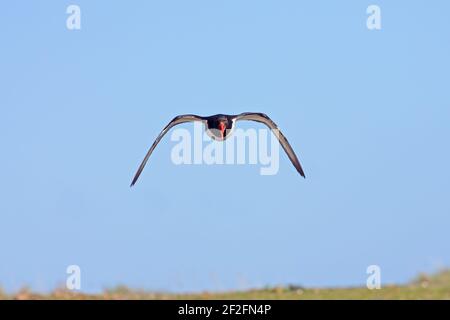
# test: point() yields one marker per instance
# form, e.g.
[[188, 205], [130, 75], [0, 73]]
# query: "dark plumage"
[[219, 127]]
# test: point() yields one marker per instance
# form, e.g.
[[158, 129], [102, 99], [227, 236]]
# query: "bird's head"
[[219, 129]]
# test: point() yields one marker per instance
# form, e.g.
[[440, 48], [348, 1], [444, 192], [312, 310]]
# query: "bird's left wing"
[[175, 121], [263, 118]]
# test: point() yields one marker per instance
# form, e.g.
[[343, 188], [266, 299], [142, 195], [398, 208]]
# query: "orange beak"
[[222, 128]]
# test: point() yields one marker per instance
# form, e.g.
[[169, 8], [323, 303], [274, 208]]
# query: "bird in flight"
[[219, 127]]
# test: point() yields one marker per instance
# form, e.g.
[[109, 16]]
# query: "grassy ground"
[[424, 287]]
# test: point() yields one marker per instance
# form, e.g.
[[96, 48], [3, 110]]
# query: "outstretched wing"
[[177, 120], [262, 118]]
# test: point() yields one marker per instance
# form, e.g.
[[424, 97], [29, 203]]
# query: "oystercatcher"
[[219, 127]]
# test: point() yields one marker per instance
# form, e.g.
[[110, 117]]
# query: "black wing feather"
[[175, 121], [263, 118]]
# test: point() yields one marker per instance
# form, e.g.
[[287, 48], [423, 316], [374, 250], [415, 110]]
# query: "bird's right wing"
[[177, 120]]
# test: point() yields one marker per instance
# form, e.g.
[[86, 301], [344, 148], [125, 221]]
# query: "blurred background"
[[367, 111]]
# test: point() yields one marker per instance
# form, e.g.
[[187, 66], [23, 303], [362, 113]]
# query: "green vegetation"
[[435, 286]]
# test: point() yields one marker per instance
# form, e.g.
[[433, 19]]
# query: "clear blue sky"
[[367, 111]]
